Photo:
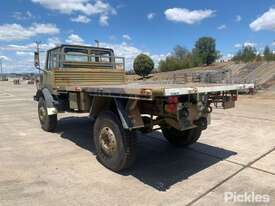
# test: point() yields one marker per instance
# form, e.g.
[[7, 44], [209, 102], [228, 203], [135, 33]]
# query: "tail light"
[[235, 97], [171, 108], [173, 100]]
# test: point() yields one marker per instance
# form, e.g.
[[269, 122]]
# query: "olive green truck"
[[82, 79]]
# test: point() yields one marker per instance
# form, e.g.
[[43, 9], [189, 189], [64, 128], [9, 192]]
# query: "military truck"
[[84, 79]]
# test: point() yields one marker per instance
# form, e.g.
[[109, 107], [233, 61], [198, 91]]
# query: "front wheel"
[[115, 147], [181, 138], [48, 122]]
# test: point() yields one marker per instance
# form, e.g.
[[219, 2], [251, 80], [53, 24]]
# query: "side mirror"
[[36, 60]]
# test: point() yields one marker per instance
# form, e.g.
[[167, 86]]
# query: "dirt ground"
[[235, 156]]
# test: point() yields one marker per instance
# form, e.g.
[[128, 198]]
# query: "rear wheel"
[[48, 122], [181, 138], [115, 147]]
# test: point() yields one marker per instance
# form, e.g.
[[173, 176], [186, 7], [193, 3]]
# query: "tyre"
[[181, 138], [115, 147], [48, 122]]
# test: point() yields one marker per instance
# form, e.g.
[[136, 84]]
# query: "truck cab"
[[74, 65]]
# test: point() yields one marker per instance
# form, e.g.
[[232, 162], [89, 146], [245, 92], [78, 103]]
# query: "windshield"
[[73, 57], [85, 55]]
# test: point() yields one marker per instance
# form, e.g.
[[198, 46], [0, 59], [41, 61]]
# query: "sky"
[[132, 27]]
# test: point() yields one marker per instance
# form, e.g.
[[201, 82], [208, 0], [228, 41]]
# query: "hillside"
[[260, 73]]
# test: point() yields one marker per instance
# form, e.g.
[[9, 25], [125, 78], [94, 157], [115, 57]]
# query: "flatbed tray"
[[143, 90]]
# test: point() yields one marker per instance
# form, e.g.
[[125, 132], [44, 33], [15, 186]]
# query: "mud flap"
[[129, 114], [51, 110]]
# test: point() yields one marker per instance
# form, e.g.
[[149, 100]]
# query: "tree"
[[238, 57], [268, 56], [246, 54], [180, 52], [143, 65], [205, 51], [180, 58], [249, 54], [258, 58]]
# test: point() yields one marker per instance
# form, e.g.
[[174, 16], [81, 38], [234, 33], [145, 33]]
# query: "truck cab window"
[[49, 61], [101, 56], [76, 55], [53, 60]]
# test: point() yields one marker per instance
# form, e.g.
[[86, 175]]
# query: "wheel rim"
[[42, 113], [107, 141]]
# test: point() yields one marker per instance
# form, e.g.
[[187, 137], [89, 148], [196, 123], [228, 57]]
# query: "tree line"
[[203, 53], [250, 54]]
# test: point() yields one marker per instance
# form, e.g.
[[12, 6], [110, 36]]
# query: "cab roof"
[[82, 47]]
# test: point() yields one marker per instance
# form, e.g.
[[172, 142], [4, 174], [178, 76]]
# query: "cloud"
[[81, 19], [238, 45], [158, 57], [22, 15], [238, 18], [222, 27], [150, 16], [245, 44], [54, 41], [103, 20], [225, 57], [21, 53], [71, 6], [130, 52], [126, 37], [188, 16], [249, 44], [10, 32], [264, 22], [123, 49], [230, 56], [20, 64], [19, 48], [23, 61], [31, 47], [112, 37], [74, 39], [4, 58], [99, 7]]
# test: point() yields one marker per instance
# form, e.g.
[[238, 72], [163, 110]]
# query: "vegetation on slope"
[[204, 53], [250, 54]]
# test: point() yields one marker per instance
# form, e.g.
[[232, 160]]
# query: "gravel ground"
[[232, 164]]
